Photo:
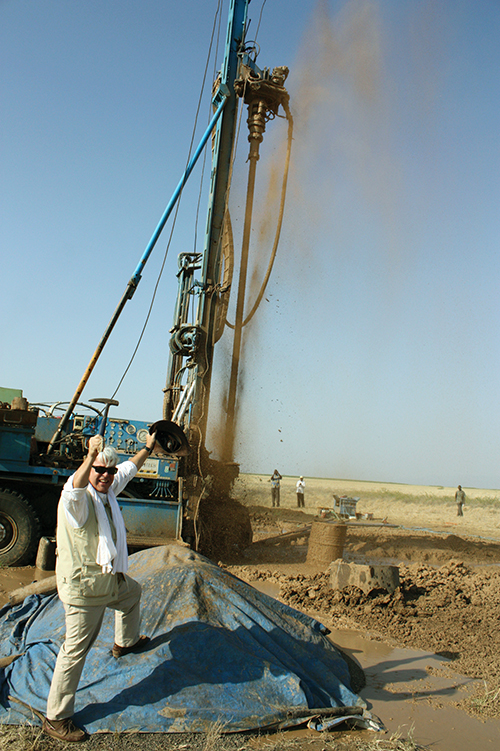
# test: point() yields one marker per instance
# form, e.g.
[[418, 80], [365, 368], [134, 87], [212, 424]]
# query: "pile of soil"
[[402, 545], [453, 611], [448, 601]]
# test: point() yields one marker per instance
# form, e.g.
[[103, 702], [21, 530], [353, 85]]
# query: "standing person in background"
[[301, 486], [275, 488], [91, 571], [460, 499]]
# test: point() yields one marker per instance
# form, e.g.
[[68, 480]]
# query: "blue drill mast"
[[168, 500]]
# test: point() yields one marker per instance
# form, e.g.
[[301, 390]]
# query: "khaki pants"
[[82, 628]]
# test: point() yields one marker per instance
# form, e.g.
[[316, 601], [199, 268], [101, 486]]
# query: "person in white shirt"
[[301, 486], [91, 572]]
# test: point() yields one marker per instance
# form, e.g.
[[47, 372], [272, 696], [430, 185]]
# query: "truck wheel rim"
[[8, 532]]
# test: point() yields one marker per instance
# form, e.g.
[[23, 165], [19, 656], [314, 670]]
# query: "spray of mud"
[[346, 102], [340, 102], [266, 212], [343, 132], [335, 100]]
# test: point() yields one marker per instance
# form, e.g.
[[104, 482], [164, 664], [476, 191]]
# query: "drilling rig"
[[181, 493]]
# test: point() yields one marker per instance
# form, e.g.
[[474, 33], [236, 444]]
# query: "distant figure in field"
[[301, 486], [275, 488], [460, 499]]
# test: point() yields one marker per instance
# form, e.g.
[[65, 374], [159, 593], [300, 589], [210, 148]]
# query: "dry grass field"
[[414, 506]]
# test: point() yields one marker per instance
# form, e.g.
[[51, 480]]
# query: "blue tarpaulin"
[[219, 651]]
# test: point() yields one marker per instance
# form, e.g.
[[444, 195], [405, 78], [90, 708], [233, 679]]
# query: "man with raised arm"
[[91, 571]]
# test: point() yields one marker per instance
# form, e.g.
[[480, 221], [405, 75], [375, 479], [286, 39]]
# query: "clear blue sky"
[[376, 354]]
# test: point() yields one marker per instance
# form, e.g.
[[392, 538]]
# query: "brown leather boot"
[[64, 730], [118, 651]]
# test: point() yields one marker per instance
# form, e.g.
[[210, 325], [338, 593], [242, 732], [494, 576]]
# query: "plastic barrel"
[[326, 542]]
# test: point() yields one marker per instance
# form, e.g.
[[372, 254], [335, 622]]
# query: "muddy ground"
[[448, 601], [447, 604]]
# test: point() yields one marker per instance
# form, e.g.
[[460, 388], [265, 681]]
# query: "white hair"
[[108, 457]]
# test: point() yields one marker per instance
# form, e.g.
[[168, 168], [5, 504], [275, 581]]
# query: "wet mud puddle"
[[414, 693], [16, 578]]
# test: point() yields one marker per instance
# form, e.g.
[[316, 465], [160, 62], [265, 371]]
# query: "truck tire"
[[19, 529]]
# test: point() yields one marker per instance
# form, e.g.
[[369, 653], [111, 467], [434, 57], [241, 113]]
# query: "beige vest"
[[80, 580]]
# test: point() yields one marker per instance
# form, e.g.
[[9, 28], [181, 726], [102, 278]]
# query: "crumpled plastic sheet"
[[220, 651]]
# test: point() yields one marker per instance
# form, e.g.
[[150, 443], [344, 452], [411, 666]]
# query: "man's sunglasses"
[[103, 470]]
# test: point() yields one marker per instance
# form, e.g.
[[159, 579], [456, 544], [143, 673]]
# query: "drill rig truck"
[[180, 493]]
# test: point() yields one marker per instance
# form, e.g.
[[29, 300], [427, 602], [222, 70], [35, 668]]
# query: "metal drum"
[[326, 542]]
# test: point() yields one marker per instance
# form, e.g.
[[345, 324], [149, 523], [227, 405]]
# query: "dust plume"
[[343, 152], [342, 134], [336, 101]]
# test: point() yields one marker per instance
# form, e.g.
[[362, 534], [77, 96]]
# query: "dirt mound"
[[417, 546], [448, 601], [456, 543], [453, 611], [367, 542]]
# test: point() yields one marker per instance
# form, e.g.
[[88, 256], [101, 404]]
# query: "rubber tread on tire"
[[19, 529]]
